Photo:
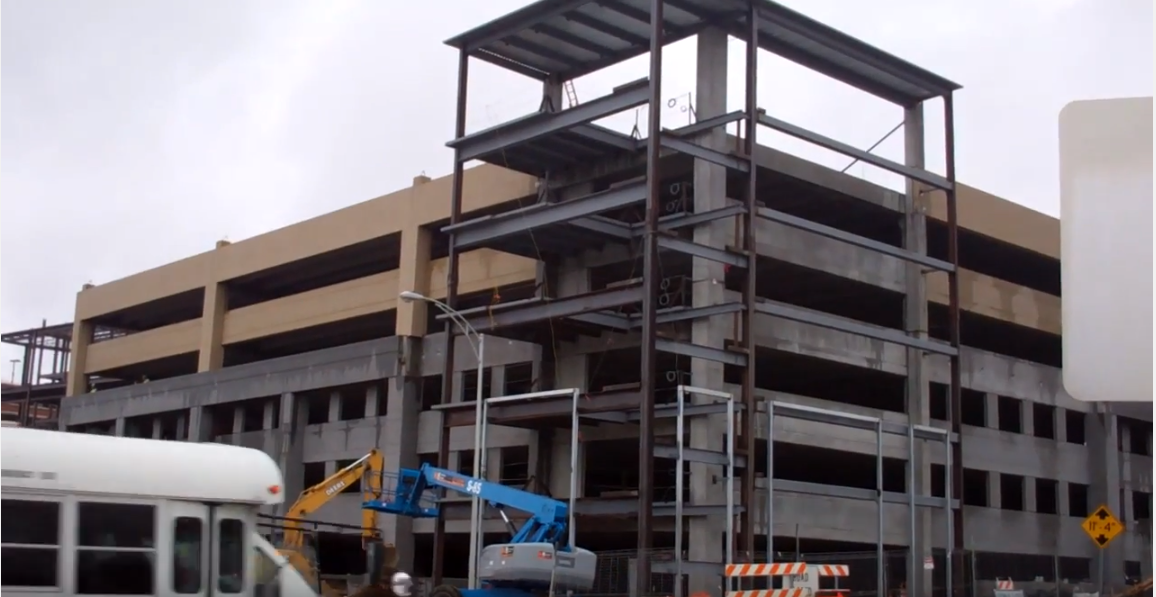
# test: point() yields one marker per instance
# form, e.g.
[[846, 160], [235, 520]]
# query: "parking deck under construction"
[[702, 340]]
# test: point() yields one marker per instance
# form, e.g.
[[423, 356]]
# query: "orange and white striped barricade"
[[784, 569], [1006, 588], [810, 580]]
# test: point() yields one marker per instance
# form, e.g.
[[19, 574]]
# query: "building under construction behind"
[[877, 371]]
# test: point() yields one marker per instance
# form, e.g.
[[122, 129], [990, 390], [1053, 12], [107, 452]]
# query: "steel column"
[[956, 398], [747, 486], [450, 301], [650, 274]]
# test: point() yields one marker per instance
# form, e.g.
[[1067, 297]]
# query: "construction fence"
[[976, 574]]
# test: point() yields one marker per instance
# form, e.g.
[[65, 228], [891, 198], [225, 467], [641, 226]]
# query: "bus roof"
[[36, 459]]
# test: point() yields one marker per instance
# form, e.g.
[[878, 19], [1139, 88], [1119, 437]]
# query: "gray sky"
[[136, 132]]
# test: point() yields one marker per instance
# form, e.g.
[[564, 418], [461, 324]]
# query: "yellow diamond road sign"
[[1102, 526]]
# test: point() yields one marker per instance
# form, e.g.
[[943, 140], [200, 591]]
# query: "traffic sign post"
[[1102, 526]]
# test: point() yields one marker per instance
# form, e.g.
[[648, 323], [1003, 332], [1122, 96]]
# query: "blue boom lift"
[[538, 556]]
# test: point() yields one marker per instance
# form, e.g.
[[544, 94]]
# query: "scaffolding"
[[592, 176]]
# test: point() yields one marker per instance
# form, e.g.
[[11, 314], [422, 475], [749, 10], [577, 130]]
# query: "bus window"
[[116, 548], [29, 543], [187, 544], [231, 556], [266, 575]]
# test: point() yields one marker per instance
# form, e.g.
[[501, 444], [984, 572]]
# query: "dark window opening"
[[938, 481], [317, 407], [975, 487], [1077, 500], [515, 466], [381, 398], [466, 462], [940, 398], [231, 556], [353, 485], [1074, 570], [1011, 492], [1141, 505], [30, 552], [352, 405], [312, 473], [469, 389], [1044, 420], [252, 415], [187, 551], [115, 548], [1010, 414], [1047, 496], [519, 379], [1074, 423], [974, 407], [431, 391], [1139, 436]]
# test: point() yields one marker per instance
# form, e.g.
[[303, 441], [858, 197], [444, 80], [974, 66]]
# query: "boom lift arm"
[[549, 518]]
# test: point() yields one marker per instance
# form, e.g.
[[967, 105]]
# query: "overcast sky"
[[137, 132]]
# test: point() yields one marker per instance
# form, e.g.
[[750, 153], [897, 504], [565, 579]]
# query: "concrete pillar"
[[497, 381], [371, 397], [238, 420], [991, 411], [571, 371], [915, 322], [334, 406], [77, 381], [1027, 417], [560, 459], [120, 427], [182, 427], [708, 286], [1063, 503], [268, 412], [200, 424], [1030, 504], [460, 385], [1102, 440], [291, 445], [156, 428], [399, 444], [211, 354], [1061, 418], [994, 493], [494, 464], [413, 274]]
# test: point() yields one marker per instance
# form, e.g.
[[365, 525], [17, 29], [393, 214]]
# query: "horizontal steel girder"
[[853, 239], [698, 351], [556, 308], [857, 493], [851, 326], [832, 417], [698, 455], [713, 156], [799, 132], [686, 247], [541, 124], [686, 220], [480, 231]]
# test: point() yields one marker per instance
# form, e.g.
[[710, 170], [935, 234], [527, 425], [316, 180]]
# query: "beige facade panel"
[[1002, 220], [168, 341], [481, 270], [425, 202], [1000, 300]]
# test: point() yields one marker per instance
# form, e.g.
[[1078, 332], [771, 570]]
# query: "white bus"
[[99, 515]]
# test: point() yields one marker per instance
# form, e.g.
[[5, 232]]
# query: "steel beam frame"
[[695, 150], [854, 239], [541, 124], [878, 495], [543, 309], [850, 326], [923, 176], [698, 351], [686, 247], [488, 229]]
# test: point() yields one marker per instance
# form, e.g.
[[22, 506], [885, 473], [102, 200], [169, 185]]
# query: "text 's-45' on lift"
[[538, 559]]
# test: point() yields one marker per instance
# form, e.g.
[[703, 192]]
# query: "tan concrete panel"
[[484, 269], [167, 341], [1000, 300], [424, 203], [1001, 219], [363, 296]]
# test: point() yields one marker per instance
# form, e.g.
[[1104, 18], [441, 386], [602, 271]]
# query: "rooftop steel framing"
[[558, 40]]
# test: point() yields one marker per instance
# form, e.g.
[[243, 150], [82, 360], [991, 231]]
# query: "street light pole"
[[478, 345]]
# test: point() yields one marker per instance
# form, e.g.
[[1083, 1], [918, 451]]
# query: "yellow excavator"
[[295, 543]]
